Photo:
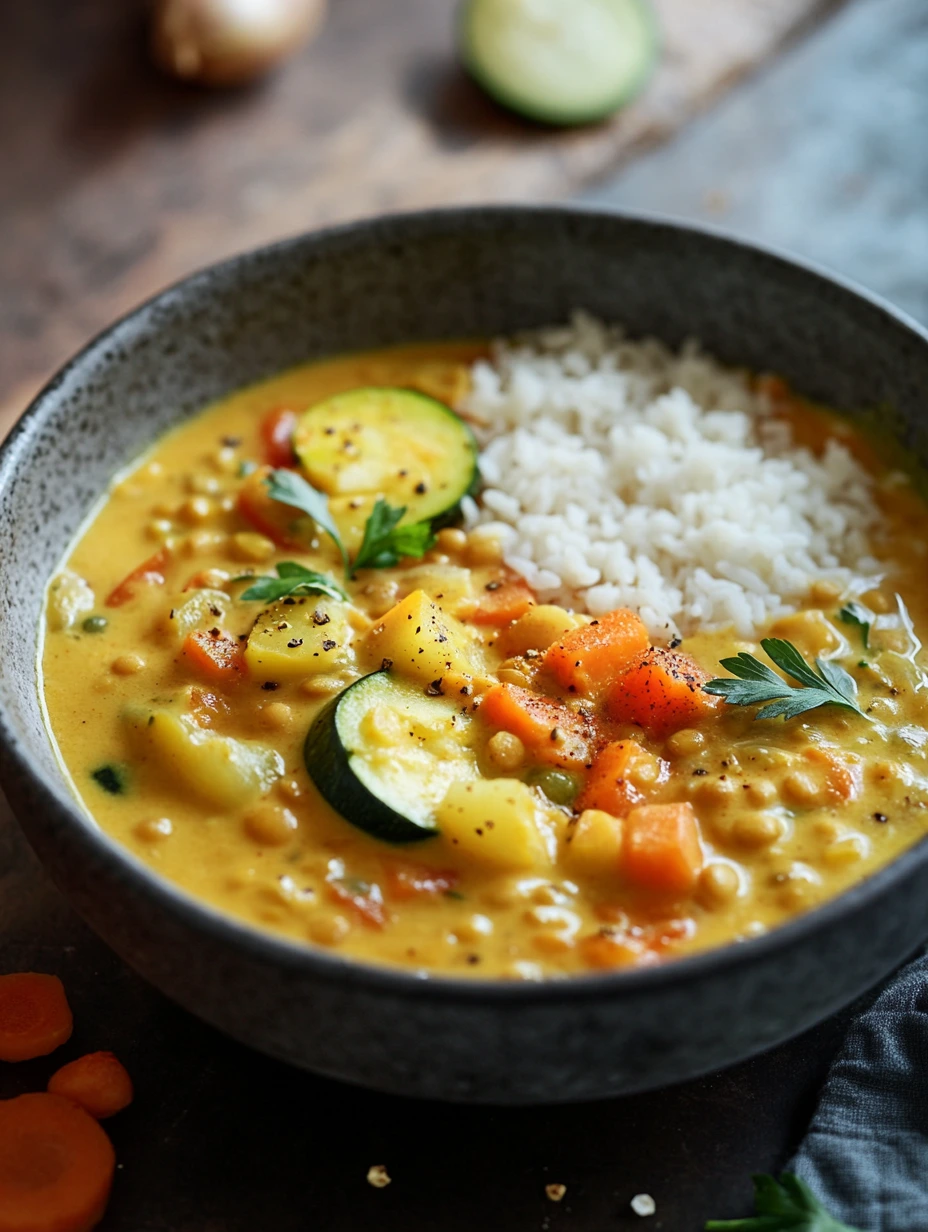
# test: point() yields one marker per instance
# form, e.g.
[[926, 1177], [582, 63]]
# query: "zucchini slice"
[[384, 753], [559, 61], [397, 444]]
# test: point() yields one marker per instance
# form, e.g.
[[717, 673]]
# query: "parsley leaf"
[[292, 489], [784, 1205], [827, 684], [385, 542], [857, 614], [292, 579]]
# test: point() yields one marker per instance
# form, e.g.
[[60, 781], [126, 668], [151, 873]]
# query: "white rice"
[[621, 474]]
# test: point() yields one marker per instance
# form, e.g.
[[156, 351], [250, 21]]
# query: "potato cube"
[[494, 821]]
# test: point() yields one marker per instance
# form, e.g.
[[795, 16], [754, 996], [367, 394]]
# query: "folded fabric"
[[866, 1152]]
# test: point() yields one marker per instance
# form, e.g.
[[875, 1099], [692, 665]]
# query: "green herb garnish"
[[825, 685], [385, 542], [292, 579], [784, 1205], [292, 489], [856, 614], [246, 467], [111, 778]]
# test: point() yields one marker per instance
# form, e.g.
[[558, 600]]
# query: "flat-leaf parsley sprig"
[[289, 488], [856, 614], [784, 1205], [292, 579], [827, 684]]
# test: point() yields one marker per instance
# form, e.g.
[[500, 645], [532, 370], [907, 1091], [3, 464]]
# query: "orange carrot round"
[[56, 1166], [35, 1017], [97, 1081]]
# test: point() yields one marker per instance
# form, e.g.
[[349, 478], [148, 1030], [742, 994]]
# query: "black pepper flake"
[[215, 611], [214, 632], [555, 734], [231, 442], [700, 771], [473, 959], [675, 642], [420, 488], [294, 642], [320, 617], [492, 586], [880, 817], [435, 689], [593, 622], [270, 685], [328, 644], [386, 664], [171, 614], [466, 690], [290, 602]]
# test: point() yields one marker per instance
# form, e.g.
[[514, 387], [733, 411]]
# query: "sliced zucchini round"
[[559, 61], [397, 444], [384, 753]]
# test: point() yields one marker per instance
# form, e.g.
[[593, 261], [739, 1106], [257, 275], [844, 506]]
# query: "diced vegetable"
[[221, 770], [662, 693], [423, 643], [395, 444], [383, 754], [365, 900], [149, 573], [277, 428], [447, 585], [662, 850], [300, 636], [501, 602], [588, 659], [607, 786], [98, 1082], [494, 821], [405, 880], [35, 1017], [284, 525], [216, 656], [538, 628], [593, 843], [69, 599], [551, 731], [202, 610]]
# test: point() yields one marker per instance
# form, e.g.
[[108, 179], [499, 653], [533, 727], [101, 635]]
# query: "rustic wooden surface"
[[116, 180]]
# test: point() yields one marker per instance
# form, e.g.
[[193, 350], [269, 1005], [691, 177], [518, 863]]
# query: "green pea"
[[95, 624], [559, 786]]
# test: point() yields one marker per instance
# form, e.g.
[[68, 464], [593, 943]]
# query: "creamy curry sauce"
[[195, 761]]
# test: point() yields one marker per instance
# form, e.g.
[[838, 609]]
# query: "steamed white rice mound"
[[621, 474]]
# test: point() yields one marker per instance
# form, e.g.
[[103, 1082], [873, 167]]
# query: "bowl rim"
[[290, 954]]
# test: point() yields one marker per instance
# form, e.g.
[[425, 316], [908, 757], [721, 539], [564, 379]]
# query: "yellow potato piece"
[[290, 641], [593, 843], [493, 821], [423, 643]]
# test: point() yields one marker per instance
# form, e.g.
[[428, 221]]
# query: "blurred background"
[[135, 151]]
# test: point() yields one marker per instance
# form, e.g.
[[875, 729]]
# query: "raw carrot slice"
[[607, 787], [56, 1165], [98, 1082], [215, 655], [270, 517], [405, 880], [502, 601], [149, 573], [662, 851], [550, 730], [277, 436], [588, 659], [661, 692], [35, 1017]]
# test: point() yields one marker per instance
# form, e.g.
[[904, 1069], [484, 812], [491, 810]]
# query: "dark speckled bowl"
[[468, 272]]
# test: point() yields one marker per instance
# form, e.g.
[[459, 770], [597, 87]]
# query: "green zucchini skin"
[[328, 763], [542, 108]]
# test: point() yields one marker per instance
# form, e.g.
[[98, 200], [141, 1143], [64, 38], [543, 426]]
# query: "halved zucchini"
[[384, 753], [397, 444]]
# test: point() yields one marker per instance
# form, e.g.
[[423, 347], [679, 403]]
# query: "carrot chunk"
[[149, 573], [607, 786], [502, 601], [405, 880], [56, 1166], [35, 1017], [270, 517], [215, 655], [550, 730], [365, 900], [662, 851], [588, 659], [277, 436], [661, 692], [98, 1082]]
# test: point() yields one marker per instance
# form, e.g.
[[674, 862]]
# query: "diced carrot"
[[615, 947], [216, 655], [56, 1166], [662, 851], [607, 787], [586, 660], [503, 600], [98, 1082], [149, 573], [406, 880], [277, 436], [843, 775], [206, 707], [661, 692], [35, 1017], [270, 517], [550, 730], [365, 900]]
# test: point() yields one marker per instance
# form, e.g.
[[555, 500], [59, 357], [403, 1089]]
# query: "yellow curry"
[[282, 676]]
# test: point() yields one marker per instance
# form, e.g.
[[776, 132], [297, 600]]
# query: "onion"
[[229, 42]]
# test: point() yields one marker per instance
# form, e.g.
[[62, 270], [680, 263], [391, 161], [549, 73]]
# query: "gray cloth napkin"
[[866, 1152]]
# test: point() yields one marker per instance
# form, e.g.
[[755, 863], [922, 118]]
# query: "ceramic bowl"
[[448, 274]]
